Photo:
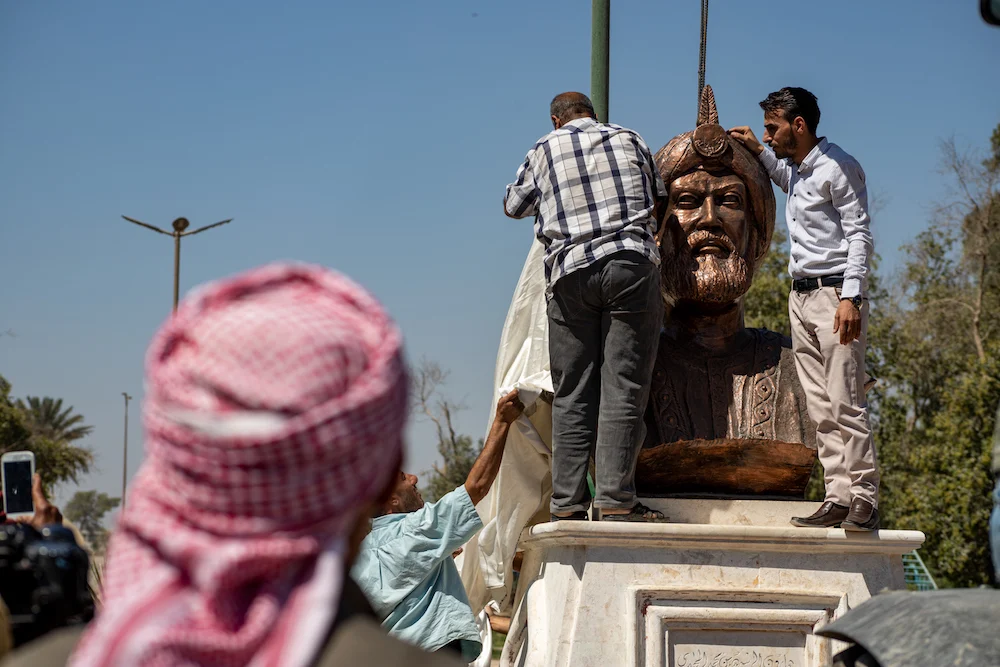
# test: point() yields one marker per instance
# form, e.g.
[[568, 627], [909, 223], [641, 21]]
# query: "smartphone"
[[16, 471]]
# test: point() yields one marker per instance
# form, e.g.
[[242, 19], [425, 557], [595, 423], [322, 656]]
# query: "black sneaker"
[[640, 513], [580, 515]]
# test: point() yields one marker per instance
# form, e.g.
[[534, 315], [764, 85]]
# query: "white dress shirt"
[[826, 214]]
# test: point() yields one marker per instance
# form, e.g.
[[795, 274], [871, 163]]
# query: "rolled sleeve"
[[427, 537], [849, 194], [407, 572], [452, 519], [521, 198]]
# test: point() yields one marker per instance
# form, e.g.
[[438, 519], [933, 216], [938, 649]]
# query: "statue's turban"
[[710, 147]]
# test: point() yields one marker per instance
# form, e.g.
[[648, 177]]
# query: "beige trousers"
[[833, 377]]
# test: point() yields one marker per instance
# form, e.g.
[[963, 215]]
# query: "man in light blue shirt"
[[405, 566]]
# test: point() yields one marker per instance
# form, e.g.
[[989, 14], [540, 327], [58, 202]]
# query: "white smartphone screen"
[[17, 487]]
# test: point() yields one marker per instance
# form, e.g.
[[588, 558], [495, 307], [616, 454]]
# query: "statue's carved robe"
[[701, 405]]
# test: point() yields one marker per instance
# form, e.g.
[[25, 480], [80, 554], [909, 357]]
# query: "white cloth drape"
[[486, 639], [520, 495]]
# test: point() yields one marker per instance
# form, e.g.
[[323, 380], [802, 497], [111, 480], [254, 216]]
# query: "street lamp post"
[[600, 57], [125, 451], [180, 226]]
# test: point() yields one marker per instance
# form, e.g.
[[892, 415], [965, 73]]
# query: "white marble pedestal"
[[729, 584]]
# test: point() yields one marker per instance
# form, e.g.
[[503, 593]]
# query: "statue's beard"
[[706, 278]]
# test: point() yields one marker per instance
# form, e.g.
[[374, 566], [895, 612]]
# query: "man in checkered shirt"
[[595, 194]]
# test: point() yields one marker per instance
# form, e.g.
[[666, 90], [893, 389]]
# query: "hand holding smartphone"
[[16, 472]]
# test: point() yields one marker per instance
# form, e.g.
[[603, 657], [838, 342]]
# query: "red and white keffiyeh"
[[274, 410]]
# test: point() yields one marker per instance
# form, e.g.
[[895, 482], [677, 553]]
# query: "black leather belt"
[[809, 284]]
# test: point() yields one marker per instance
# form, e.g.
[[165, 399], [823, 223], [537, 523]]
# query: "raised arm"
[[485, 469], [659, 188], [521, 198], [779, 170]]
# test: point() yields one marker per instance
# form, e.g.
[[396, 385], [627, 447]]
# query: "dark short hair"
[[565, 105], [792, 103]]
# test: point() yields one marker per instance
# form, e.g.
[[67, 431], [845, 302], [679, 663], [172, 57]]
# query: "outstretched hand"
[[745, 136], [487, 464]]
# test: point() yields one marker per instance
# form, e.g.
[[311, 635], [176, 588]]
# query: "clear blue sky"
[[376, 138]]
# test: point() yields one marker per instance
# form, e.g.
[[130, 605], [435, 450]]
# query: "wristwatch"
[[856, 300]]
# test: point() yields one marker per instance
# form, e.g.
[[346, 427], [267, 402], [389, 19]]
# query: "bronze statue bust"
[[726, 412]]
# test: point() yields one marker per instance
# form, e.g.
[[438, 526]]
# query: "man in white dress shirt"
[[831, 249]]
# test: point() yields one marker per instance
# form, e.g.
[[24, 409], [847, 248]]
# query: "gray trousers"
[[833, 377], [604, 326]]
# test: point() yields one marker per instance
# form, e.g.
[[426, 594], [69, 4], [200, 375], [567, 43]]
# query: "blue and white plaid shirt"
[[592, 188]]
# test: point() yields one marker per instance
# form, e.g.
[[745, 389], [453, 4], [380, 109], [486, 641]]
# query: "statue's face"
[[709, 212]]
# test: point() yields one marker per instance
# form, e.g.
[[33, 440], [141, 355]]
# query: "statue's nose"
[[709, 218]]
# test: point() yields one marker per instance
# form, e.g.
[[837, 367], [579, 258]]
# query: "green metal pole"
[[599, 57], [599, 65]]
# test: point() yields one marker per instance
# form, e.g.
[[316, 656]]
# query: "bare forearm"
[[487, 465], [500, 624]]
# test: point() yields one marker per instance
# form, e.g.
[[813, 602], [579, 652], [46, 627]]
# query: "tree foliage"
[[13, 429], [48, 432], [87, 509], [934, 345], [936, 342], [457, 451], [48, 419], [766, 304]]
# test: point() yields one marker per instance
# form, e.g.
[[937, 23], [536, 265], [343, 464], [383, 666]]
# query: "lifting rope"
[[704, 44]]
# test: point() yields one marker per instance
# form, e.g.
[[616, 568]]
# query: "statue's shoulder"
[[780, 348], [772, 345], [793, 424], [774, 339]]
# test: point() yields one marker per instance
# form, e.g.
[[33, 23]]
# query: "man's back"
[[592, 188]]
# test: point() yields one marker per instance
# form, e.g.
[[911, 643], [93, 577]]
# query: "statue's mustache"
[[703, 237]]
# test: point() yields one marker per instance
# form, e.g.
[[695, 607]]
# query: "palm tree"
[[47, 419], [44, 427]]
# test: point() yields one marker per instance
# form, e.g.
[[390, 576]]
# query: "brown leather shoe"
[[863, 516], [829, 515]]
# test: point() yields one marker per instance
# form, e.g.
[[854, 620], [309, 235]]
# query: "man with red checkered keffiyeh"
[[274, 413]]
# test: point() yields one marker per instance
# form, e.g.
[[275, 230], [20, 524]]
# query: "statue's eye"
[[732, 200], [688, 201]]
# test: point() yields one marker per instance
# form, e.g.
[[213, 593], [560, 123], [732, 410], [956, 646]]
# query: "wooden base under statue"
[[729, 583], [729, 466]]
